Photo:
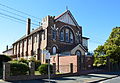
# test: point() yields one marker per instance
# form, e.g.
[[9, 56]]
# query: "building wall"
[[8, 52], [73, 51], [85, 43], [60, 45], [28, 47], [63, 63]]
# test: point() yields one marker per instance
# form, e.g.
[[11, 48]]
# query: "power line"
[[16, 18], [12, 19], [19, 11], [16, 14], [12, 13]]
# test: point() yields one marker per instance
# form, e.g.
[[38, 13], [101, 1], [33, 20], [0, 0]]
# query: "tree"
[[4, 58], [111, 47]]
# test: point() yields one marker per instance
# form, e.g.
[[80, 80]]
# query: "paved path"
[[72, 79]]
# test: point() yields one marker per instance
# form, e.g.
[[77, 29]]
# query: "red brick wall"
[[64, 63], [61, 45]]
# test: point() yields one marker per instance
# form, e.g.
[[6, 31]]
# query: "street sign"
[[48, 56]]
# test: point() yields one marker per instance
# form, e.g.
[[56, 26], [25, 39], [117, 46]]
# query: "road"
[[113, 80], [72, 79]]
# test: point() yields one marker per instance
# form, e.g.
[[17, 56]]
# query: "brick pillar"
[[6, 71], [32, 68], [57, 62], [54, 68], [71, 67], [78, 64]]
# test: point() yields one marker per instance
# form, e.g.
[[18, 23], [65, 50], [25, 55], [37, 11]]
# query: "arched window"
[[54, 50], [71, 37], [62, 35], [78, 53], [66, 35]]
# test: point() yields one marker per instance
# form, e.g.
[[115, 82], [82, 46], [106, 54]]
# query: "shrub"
[[24, 61], [18, 68], [43, 69], [37, 64], [4, 58]]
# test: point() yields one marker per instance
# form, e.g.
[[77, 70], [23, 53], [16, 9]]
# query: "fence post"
[[71, 67], [54, 68], [108, 63], [6, 71], [32, 68]]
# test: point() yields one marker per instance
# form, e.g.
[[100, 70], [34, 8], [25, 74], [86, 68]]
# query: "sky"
[[97, 17]]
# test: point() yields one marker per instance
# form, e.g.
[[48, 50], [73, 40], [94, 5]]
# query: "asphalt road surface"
[[72, 79], [113, 80]]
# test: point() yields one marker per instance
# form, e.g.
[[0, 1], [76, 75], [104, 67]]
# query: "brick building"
[[59, 35]]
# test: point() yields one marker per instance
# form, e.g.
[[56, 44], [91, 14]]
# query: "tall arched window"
[[66, 35], [62, 35], [71, 37], [54, 50]]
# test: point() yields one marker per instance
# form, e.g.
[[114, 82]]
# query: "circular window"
[[78, 53]]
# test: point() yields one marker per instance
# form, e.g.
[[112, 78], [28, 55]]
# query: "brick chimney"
[[7, 47], [28, 26]]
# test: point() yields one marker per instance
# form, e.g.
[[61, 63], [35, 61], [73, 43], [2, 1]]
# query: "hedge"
[[24, 61], [18, 68], [37, 62], [43, 69]]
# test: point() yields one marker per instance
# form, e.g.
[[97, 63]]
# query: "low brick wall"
[[63, 63], [31, 76], [35, 77]]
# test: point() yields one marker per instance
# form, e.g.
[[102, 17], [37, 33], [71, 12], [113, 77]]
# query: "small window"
[[78, 53], [54, 33], [42, 36]]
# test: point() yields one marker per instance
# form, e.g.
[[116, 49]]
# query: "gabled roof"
[[7, 50], [68, 13]]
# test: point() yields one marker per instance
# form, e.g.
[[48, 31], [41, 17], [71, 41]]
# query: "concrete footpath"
[[89, 78]]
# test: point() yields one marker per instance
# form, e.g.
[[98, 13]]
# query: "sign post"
[[48, 58]]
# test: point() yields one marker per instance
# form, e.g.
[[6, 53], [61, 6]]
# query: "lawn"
[[37, 73]]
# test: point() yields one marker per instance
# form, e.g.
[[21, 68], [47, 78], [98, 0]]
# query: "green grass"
[[37, 73]]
